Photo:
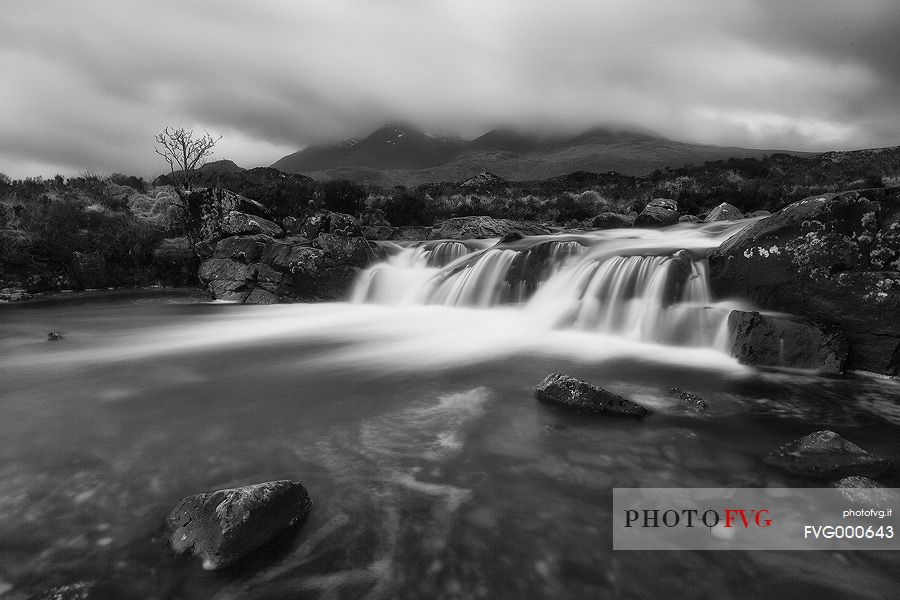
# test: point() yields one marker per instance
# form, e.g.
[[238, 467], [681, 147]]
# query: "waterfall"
[[644, 285]]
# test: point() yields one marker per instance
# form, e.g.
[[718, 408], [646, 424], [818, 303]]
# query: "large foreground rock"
[[833, 259], [579, 395], [468, 228], [776, 342], [826, 454], [224, 526], [659, 212]]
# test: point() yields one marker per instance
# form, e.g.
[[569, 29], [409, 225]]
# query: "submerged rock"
[[826, 454], [584, 397], [724, 212], [688, 400], [831, 258], [659, 212], [777, 342], [54, 336], [224, 526]]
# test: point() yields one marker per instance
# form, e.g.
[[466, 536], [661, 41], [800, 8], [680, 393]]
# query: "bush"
[[408, 207]]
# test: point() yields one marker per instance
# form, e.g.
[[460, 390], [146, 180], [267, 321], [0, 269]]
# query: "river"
[[409, 414]]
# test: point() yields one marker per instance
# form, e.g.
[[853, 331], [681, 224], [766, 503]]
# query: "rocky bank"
[[833, 259]]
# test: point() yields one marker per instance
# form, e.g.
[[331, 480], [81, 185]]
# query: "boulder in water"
[[831, 258], [765, 340], [689, 401], [724, 212], [54, 336], [224, 526], [758, 213], [611, 220], [826, 454], [688, 219], [582, 396], [659, 212]]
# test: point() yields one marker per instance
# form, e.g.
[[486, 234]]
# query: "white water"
[[642, 285], [600, 297]]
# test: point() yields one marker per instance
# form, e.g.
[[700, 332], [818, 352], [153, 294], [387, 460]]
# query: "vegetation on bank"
[[80, 231]]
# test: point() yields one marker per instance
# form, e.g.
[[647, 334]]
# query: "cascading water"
[[645, 285]]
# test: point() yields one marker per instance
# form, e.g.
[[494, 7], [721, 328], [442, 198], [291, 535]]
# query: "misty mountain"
[[404, 155]]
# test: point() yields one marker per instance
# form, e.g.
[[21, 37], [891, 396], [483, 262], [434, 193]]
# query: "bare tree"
[[184, 153]]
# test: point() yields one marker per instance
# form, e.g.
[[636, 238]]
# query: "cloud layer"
[[88, 84]]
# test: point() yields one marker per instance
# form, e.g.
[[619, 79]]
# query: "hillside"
[[401, 155]]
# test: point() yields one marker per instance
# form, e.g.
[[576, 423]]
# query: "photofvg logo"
[[691, 517], [754, 519]]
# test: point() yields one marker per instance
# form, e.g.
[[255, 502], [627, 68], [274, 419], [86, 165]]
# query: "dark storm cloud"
[[87, 84]]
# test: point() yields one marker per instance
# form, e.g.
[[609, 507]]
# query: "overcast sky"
[[87, 84]]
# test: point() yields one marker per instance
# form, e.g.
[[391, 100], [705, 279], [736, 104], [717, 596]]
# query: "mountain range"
[[403, 155]]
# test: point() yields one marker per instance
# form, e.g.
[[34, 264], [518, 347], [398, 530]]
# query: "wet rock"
[[826, 454], [724, 212], [758, 213], [764, 340], [688, 219], [584, 397], [224, 526], [479, 227], [611, 220], [689, 401], [54, 336], [659, 212], [832, 258]]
